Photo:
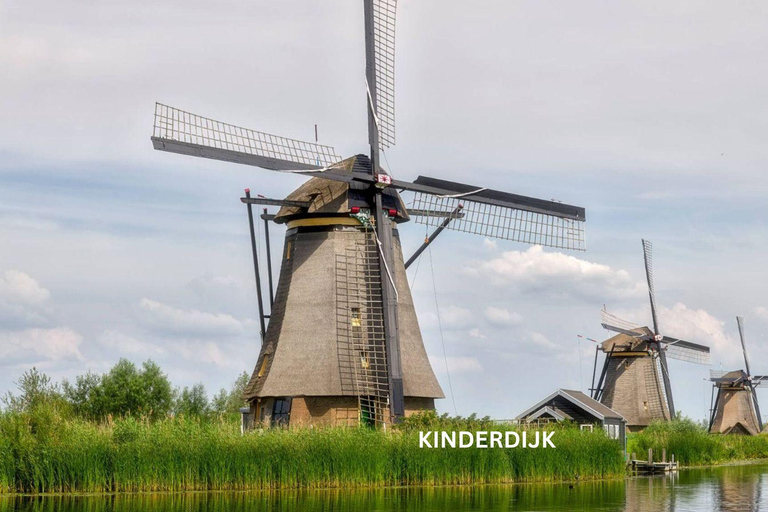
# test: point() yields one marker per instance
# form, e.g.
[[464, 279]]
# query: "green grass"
[[45, 453], [692, 445]]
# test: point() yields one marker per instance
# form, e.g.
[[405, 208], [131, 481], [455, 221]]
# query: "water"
[[737, 488]]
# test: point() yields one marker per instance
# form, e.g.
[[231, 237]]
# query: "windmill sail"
[[497, 214], [384, 68], [177, 131]]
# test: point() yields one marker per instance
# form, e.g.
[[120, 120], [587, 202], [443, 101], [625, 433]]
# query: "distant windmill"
[[736, 410], [343, 344], [635, 377]]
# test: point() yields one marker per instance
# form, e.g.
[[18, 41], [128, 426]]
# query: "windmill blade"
[[740, 322], [177, 131], [384, 68], [498, 214], [685, 350], [760, 381], [716, 375], [613, 323], [648, 257]]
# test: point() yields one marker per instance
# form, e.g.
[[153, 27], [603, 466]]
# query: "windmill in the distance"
[[736, 410], [635, 377], [343, 343]]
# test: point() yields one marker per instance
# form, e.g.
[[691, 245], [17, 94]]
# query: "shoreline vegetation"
[[128, 431]]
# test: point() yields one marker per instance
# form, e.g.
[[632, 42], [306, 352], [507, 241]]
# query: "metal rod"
[[269, 261], [434, 234], [594, 371], [667, 383], [599, 390], [256, 267], [714, 407]]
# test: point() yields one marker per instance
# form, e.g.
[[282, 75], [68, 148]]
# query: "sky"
[[651, 115]]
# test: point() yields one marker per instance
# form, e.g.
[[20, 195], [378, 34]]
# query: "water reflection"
[[724, 489]]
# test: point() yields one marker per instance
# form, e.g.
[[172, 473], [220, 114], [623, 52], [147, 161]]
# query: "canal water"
[[736, 488]]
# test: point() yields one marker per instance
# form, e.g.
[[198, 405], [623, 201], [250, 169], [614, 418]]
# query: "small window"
[[645, 405], [364, 360], [281, 412], [263, 367], [356, 317], [587, 426]]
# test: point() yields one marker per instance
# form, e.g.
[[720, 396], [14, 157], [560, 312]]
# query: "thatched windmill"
[[635, 377], [736, 410], [343, 344]]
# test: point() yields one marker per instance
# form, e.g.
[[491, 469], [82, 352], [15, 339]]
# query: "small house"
[[575, 406]]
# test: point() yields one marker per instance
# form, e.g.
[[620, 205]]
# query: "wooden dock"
[[651, 467]]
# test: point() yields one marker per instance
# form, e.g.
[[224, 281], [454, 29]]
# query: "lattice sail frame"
[[178, 125], [503, 222], [384, 55]]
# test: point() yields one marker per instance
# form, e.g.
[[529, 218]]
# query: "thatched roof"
[[328, 197], [626, 342]]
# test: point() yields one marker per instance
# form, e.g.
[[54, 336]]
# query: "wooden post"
[[664, 455], [650, 455]]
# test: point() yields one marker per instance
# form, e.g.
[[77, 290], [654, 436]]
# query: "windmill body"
[[634, 386], [343, 344], [635, 380], [736, 409], [323, 360]]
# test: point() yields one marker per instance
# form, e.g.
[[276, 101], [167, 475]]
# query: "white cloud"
[[699, 326], [20, 287], [761, 313], [125, 344], [452, 317], [502, 317], [190, 322], [23, 300], [55, 344], [456, 364], [558, 274], [475, 333], [489, 244]]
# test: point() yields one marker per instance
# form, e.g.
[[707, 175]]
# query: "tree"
[[36, 390], [158, 391], [192, 402], [86, 396], [230, 402]]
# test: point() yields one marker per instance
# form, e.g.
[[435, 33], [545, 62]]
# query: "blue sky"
[[652, 116]]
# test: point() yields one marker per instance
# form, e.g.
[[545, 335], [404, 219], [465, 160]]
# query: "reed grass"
[[52, 454], [692, 445]]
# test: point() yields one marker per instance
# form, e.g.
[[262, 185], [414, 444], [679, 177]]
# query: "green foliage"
[[186, 453], [191, 402], [692, 445], [230, 402], [35, 390]]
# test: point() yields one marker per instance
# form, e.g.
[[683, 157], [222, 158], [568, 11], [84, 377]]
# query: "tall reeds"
[[692, 445], [51, 454]]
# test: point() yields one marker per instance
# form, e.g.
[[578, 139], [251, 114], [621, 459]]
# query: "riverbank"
[[693, 446], [55, 455]]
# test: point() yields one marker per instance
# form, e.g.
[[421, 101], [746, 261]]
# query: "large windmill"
[[635, 377], [343, 344], [736, 410]]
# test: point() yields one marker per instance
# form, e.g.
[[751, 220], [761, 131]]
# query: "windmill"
[[736, 410], [343, 344], [635, 377]]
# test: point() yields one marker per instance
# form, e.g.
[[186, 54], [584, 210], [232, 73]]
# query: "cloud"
[[699, 326], [761, 313], [475, 333], [501, 317], [23, 300], [558, 274], [489, 244], [59, 343], [127, 344], [189, 322], [451, 317], [456, 364]]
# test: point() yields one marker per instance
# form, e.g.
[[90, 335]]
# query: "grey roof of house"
[[580, 400]]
